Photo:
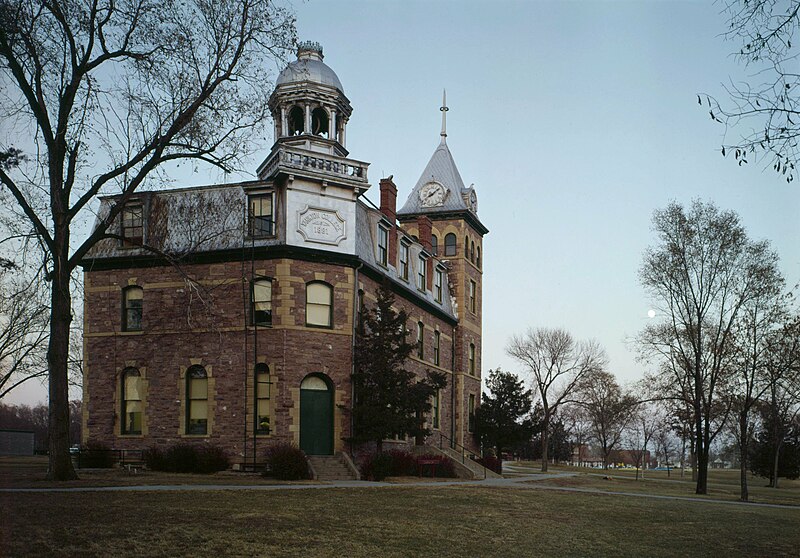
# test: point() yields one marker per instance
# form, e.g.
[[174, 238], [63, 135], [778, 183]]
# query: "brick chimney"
[[389, 210], [424, 228]]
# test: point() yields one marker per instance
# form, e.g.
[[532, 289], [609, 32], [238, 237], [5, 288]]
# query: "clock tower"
[[457, 239]]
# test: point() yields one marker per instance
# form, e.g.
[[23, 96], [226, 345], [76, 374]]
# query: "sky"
[[574, 120]]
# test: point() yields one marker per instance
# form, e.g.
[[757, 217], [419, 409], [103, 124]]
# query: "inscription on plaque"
[[321, 225]]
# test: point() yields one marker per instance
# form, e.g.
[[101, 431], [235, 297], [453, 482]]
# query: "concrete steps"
[[478, 471], [331, 468]]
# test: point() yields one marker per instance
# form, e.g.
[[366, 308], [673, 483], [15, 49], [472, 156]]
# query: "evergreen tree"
[[389, 399], [501, 422], [785, 436]]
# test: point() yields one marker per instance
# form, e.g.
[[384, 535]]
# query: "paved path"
[[520, 481]]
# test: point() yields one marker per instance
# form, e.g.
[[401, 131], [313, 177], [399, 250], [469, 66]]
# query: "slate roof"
[[441, 168], [309, 69]]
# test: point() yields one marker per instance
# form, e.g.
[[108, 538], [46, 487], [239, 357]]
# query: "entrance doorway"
[[316, 415]]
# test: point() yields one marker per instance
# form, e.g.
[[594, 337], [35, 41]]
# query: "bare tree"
[[110, 92], [642, 429], [760, 316], [766, 107], [557, 364], [608, 409], [700, 273]]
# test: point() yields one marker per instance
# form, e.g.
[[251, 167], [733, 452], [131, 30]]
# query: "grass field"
[[438, 521]]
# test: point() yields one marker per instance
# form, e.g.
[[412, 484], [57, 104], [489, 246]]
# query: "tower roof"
[[309, 67], [442, 169]]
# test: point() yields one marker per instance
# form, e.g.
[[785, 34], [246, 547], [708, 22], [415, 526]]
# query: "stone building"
[[225, 314]]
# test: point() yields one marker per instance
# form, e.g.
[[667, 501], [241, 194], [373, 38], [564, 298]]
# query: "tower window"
[[263, 385], [132, 309], [132, 225], [436, 347], [478, 258], [131, 401], [261, 302], [466, 247], [472, 359], [435, 245], [197, 400], [420, 340], [296, 119], [319, 304], [450, 244], [471, 423], [259, 216], [472, 251], [472, 296], [319, 122], [435, 408]]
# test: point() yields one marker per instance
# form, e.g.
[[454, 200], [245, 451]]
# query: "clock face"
[[432, 194], [473, 201]]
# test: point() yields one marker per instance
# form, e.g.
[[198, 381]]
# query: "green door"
[[316, 417]]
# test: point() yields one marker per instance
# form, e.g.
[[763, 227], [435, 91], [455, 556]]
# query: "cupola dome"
[[309, 67]]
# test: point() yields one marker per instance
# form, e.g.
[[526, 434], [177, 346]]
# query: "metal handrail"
[[453, 445]]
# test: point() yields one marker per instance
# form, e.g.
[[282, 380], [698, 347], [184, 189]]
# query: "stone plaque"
[[321, 225]]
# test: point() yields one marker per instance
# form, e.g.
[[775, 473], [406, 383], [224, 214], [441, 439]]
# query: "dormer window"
[[133, 225], [422, 264], [383, 245], [437, 285], [260, 216], [403, 261]]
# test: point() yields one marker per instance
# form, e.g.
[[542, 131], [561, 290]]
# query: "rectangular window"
[[319, 304], [404, 261], [132, 225], [472, 297], [263, 386], [261, 302], [198, 405], [471, 424], [422, 264], [131, 402], [437, 285], [383, 245], [420, 340], [436, 409], [471, 359], [132, 308], [436, 343], [260, 216]]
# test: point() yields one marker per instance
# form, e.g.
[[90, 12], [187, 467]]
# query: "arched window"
[[319, 122], [450, 244], [478, 258], [319, 304], [472, 251], [131, 397], [263, 385], [261, 302], [297, 118], [466, 247], [196, 400], [132, 308], [435, 245]]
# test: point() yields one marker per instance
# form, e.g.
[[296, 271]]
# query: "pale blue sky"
[[575, 120]]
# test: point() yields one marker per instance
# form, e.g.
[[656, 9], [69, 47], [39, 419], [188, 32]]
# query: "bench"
[[432, 463]]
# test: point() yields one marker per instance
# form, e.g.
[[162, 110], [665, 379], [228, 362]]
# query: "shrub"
[[154, 459], [376, 466], [211, 459], [492, 463], [286, 462], [96, 455], [402, 464], [184, 458]]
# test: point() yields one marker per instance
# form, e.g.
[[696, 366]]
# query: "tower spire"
[[444, 110]]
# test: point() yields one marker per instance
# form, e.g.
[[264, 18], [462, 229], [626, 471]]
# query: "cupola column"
[[344, 124], [284, 122], [332, 130], [308, 118]]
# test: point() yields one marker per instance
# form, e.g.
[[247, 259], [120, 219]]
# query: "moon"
[[651, 313]]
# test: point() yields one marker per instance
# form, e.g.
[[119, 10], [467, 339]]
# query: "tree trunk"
[[775, 458], [743, 445], [702, 471], [60, 462], [545, 441]]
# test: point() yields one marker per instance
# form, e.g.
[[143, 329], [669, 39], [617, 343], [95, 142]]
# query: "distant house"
[[16, 442]]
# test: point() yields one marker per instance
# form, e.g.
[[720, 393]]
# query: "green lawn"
[[436, 521]]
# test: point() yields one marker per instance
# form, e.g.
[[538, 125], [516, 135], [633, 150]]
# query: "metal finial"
[[444, 110]]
